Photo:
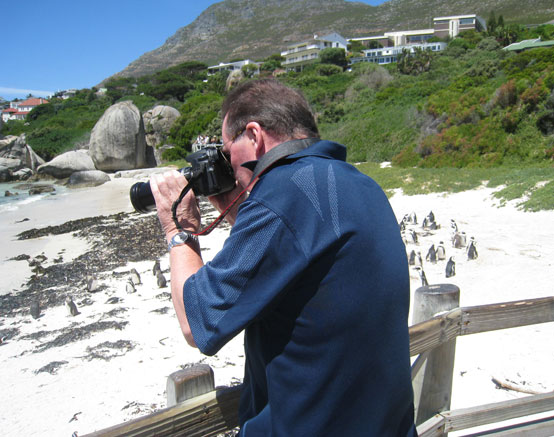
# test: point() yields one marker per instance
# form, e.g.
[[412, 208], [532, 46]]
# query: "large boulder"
[[62, 166], [14, 147], [157, 124], [117, 141], [87, 178]]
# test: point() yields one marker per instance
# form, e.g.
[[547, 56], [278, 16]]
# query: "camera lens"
[[141, 197]]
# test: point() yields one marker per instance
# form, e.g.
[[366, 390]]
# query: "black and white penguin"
[[161, 280], [422, 276], [71, 307], [450, 268], [129, 286], [431, 255], [35, 309], [441, 252], [472, 249], [135, 277], [156, 268], [412, 258]]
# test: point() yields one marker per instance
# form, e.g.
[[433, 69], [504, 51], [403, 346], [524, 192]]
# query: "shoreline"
[[109, 363]]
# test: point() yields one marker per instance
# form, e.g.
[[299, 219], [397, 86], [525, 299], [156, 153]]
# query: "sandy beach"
[[63, 374]]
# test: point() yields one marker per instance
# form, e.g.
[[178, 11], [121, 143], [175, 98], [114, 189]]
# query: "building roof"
[[33, 102], [529, 44]]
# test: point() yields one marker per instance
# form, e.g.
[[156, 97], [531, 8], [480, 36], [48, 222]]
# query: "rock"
[[23, 174], [234, 79], [157, 124], [17, 148], [87, 178], [62, 166], [12, 163], [40, 189], [5, 174], [117, 141]]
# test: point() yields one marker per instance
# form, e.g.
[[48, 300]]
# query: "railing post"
[[433, 383], [188, 383]]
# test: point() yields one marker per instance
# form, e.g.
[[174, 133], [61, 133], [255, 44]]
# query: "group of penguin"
[[435, 254], [93, 286]]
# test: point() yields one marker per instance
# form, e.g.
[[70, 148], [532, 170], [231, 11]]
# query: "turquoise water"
[[21, 194]]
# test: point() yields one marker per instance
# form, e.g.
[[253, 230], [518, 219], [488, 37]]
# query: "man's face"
[[240, 150]]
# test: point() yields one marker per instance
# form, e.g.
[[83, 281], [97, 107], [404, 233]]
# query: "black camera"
[[210, 174]]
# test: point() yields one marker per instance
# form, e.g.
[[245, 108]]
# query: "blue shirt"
[[316, 272]]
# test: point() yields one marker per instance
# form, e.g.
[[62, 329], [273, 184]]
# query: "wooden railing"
[[216, 411]]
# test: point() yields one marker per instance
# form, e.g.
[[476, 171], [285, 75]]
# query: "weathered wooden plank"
[[486, 318], [204, 415], [536, 428], [497, 412], [432, 333], [434, 427]]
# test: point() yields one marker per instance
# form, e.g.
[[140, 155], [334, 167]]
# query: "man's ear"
[[257, 137]]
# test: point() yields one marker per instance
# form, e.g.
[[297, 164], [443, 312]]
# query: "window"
[[467, 21]]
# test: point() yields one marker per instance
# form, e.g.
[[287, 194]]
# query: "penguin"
[[92, 284], [425, 223], [431, 255], [413, 236], [441, 252], [453, 226], [156, 268], [113, 300], [129, 286], [424, 282], [450, 268], [135, 277], [472, 250], [431, 216], [418, 260], [35, 309], [411, 258], [413, 218], [71, 307], [464, 239], [457, 240], [161, 280]]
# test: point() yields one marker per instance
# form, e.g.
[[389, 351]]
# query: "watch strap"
[[182, 238]]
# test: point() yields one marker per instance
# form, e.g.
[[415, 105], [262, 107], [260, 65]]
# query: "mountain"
[[255, 29]]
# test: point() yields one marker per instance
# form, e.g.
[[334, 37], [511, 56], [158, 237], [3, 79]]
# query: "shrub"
[[328, 69]]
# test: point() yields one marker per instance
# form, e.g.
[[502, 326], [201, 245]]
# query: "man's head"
[[280, 110]]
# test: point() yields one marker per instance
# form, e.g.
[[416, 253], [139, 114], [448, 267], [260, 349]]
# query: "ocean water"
[[21, 194]]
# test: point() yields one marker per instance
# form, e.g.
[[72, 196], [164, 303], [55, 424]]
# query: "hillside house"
[[231, 66], [19, 110], [443, 27], [306, 52], [386, 55]]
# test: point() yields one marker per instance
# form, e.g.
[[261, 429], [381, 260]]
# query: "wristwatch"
[[182, 238]]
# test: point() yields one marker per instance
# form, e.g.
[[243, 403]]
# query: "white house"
[[306, 52], [386, 55], [19, 110], [230, 66]]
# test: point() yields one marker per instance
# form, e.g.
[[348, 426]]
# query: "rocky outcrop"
[[157, 124], [62, 166], [17, 158], [117, 141], [87, 178]]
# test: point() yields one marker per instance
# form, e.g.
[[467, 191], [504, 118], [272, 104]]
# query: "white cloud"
[[23, 92]]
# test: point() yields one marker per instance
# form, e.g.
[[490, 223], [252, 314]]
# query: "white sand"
[[515, 262]]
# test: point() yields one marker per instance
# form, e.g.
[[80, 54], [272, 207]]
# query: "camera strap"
[[258, 167]]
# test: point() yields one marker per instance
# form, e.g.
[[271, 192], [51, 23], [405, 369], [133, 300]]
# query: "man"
[[314, 270]]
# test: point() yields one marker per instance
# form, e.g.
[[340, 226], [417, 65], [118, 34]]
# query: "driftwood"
[[507, 386]]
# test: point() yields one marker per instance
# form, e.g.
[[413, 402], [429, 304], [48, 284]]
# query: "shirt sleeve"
[[260, 260]]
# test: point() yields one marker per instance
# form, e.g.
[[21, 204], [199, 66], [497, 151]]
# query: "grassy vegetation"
[[531, 188], [450, 121]]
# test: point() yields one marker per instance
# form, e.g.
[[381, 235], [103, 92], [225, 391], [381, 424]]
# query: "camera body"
[[210, 174]]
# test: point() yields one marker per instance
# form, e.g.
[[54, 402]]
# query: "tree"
[[416, 63], [249, 70], [333, 55], [491, 23]]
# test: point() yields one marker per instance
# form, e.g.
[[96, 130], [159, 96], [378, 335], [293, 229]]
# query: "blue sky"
[[51, 45]]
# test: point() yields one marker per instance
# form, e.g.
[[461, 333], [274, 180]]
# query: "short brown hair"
[[279, 109]]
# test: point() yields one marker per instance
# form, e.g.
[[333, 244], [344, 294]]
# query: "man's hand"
[[166, 189]]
